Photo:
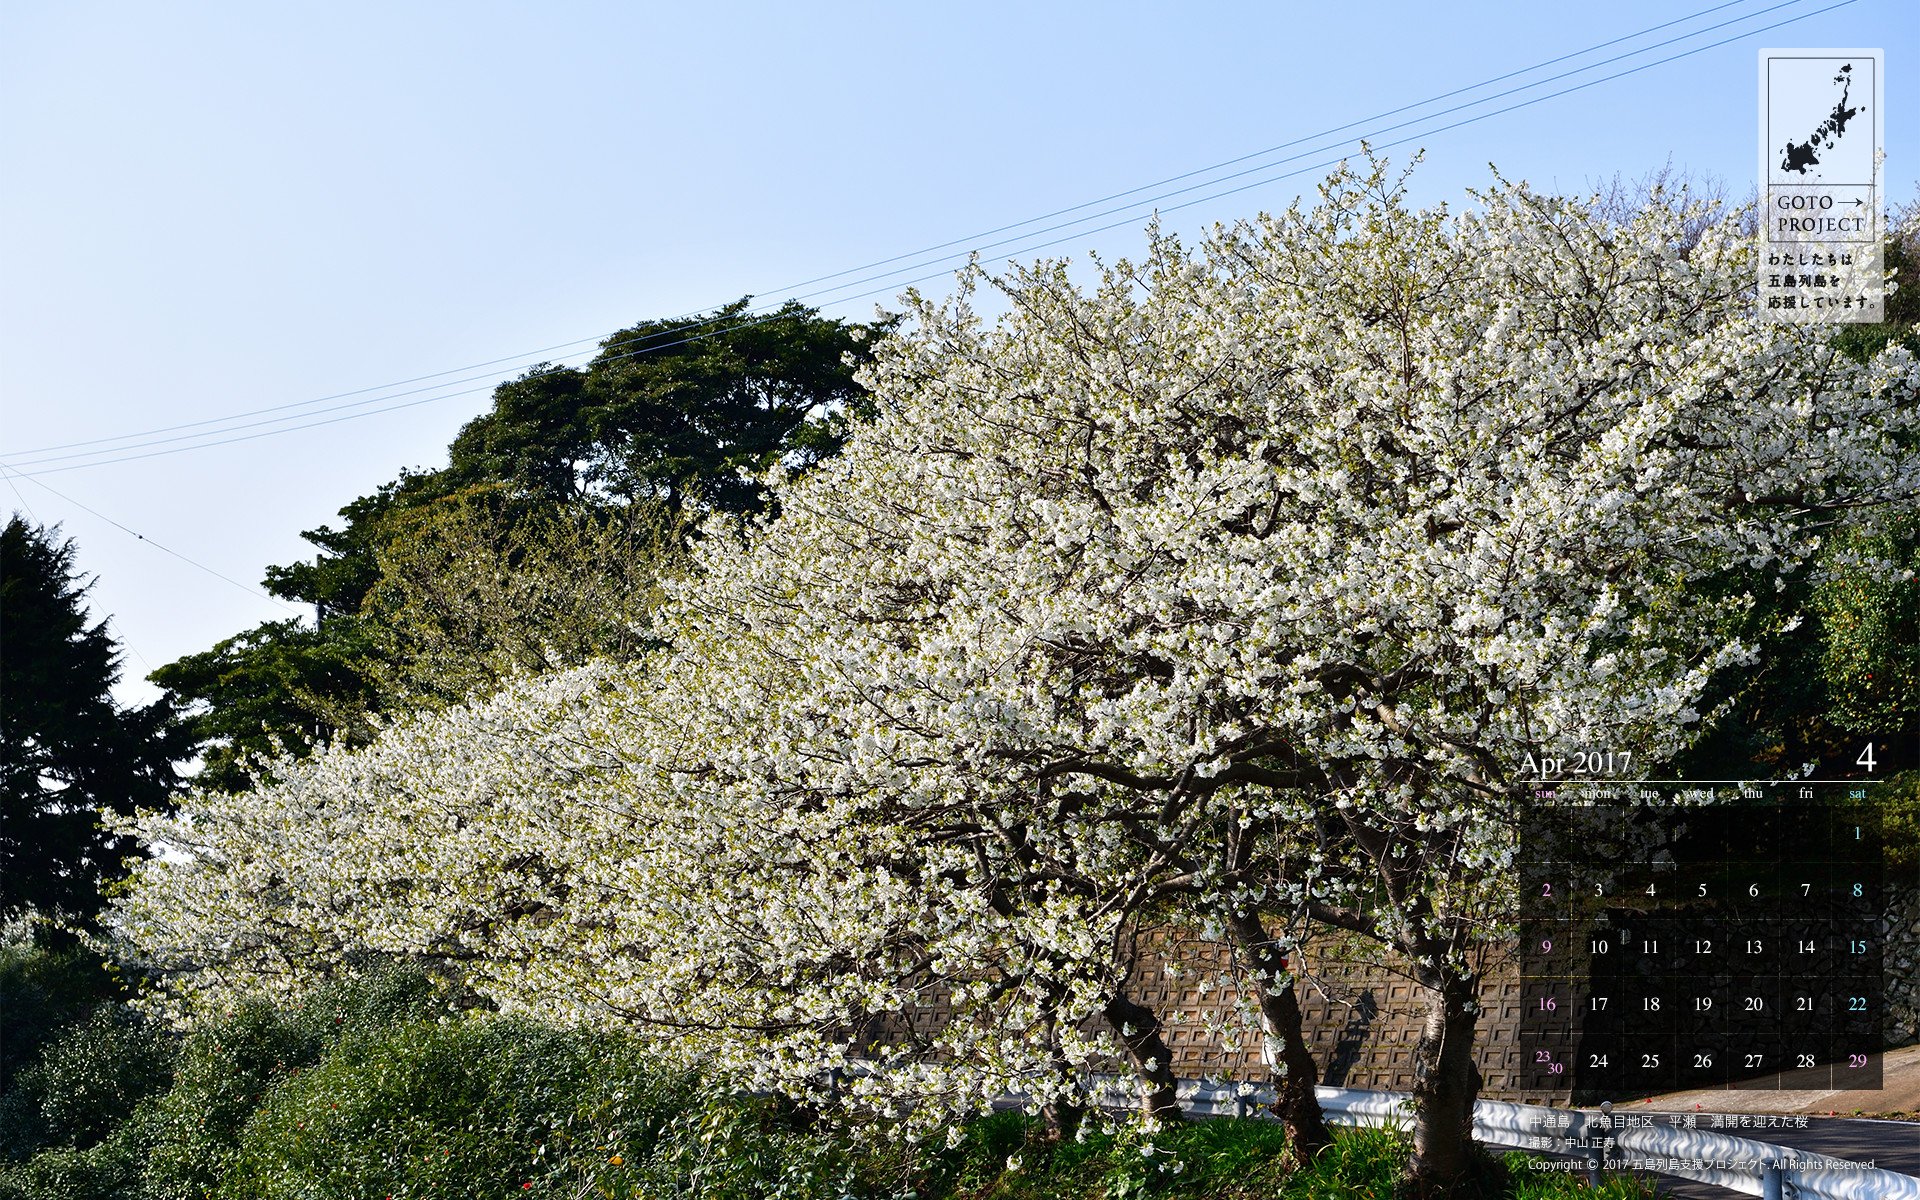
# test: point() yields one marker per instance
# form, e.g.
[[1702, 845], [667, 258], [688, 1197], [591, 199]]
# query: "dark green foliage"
[[472, 1109], [47, 996], [1776, 718], [1902, 263], [357, 1094], [288, 684], [1847, 673], [374, 1087], [226, 1071], [663, 419], [65, 747], [44, 992], [731, 1148], [1900, 810], [1870, 622], [281, 683], [337, 580], [91, 1079], [1008, 1157], [71, 1114], [112, 1106], [672, 406], [539, 437], [222, 1076], [110, 1170], [1851, 671]]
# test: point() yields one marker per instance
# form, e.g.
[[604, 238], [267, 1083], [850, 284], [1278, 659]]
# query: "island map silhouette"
[[1802, 156]]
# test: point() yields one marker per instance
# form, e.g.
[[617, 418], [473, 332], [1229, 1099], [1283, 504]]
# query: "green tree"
[[473, 590], [339, 577], [672, 406], [66, 748], [290, 683], [425, 590], [280, 684], [1901, 261]]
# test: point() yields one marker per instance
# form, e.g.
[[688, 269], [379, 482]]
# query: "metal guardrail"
[[1597, 1140], [1603, 1141]]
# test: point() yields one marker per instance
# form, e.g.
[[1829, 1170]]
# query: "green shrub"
[[373, 1087], [113, 1107], [227, 1070], [87, 1083], [1006, 1157], [44, 993], [476, 1109], [108, 1170], [734, 1148], [222, 1077]]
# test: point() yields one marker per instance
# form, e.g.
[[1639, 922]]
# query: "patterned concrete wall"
[[1901, 928], [1362, 1019]]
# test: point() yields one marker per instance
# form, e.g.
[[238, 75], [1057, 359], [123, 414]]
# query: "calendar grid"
[[1701, 936]]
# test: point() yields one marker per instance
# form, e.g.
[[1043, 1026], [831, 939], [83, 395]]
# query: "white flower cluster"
[[1288, 548]]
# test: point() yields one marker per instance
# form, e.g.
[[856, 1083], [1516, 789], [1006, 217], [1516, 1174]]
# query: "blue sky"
[[212, 209]]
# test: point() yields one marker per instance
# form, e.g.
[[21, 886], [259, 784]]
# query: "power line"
[[123, 639], [248, 437], [915, 254], [1457, 124], [18, 495], [892, 283], [88, 454], [157, 546], [306, 403], [410, 404], [1392, 112], [1129, 207]]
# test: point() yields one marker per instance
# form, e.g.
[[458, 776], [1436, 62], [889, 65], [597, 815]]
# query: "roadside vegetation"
[[976, 625], [375, 1087]]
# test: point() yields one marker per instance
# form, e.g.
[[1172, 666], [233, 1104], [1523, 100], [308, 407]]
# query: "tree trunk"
[[1061, 1119], [1139, 1031], [1296, 1073], [1445, 1085]]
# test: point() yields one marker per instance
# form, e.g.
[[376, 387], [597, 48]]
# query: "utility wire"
[[968, 240], [306, 403], [122, 639], [889, 286], [20, 496], [247, 437], [89, 454], [1425, 133], [157, 546], [1133, 205]]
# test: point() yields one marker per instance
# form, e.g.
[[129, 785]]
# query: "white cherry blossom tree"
[[1235, 588]]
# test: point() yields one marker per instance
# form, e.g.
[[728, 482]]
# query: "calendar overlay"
[[1683, 936]]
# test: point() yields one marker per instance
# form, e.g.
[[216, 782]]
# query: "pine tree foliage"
[[66, 748]]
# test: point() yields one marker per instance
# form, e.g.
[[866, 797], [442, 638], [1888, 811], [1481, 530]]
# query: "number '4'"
[[1866, 759]]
